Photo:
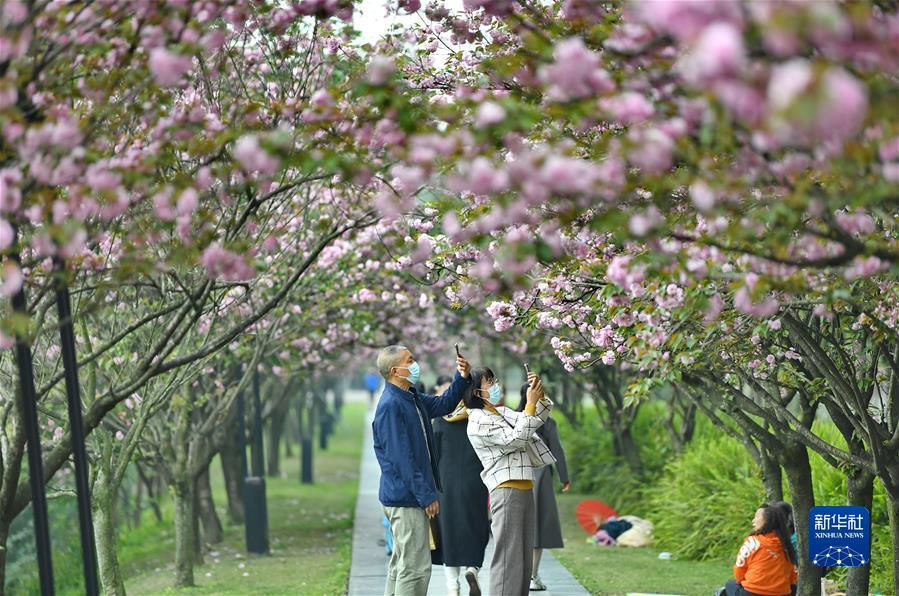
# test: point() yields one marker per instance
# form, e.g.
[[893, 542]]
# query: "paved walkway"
[[368, 572]]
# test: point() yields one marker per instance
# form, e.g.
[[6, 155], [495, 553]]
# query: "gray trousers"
[[409, 571], [513, 525]]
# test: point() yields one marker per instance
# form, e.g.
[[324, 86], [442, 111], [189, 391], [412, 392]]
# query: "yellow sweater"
[[530, 410]]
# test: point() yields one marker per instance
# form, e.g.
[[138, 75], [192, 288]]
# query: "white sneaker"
[[471, 575], [537, 585], [454, 591]]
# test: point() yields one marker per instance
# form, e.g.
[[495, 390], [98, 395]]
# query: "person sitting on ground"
[[766, 563]]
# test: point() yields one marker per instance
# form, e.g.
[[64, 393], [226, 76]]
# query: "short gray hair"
[[388, 357]]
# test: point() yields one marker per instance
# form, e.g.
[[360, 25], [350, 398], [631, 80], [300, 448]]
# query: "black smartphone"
[[457, 350]]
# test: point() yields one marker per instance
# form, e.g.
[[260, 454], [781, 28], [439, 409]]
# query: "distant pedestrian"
[[404, 446], [548, 527], [510, 451], [464, 523]]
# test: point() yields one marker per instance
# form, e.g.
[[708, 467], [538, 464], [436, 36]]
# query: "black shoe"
[[471, 574]]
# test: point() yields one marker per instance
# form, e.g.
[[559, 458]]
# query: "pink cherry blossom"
[[716, 306], [718, 52], [865, 267], [889, 151], [488, 114], [11, 279], [628, 108], [764, 309], [253, 157], [380, 69], [6, 342], [168, 68], [187, 202], [686, 19], [652, 151], [497, 8], [6, 234], [702, 195], [575, 73], [223, 264], [10, 195]]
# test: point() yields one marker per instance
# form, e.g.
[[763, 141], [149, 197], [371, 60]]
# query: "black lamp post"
[[28, 397], [76, 431], [254, 502]]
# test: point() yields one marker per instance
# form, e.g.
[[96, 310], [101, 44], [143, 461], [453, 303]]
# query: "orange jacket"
[[763, 567]]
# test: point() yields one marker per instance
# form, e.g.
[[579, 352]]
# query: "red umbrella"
[[591, 514]]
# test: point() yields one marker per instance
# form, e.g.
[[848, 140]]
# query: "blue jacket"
[[408, 475]]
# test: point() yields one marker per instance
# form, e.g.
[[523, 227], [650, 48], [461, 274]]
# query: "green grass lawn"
[[310, 532], [612, 571]]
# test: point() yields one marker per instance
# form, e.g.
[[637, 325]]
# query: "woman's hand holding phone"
[[535, 388], [462, 364]]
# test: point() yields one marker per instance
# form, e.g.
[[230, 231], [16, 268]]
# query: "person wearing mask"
[[464, 525], [766, 563], [404, 447], [549, 528], [510, 451]]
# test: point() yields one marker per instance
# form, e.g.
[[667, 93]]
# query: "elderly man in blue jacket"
[[404, 445]]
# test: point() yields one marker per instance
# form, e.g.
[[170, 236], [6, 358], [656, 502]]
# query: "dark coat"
[[464, 525], [404, 443], [549, 529]]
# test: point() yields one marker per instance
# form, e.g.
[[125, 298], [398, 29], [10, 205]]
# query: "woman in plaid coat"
[[510, 450]]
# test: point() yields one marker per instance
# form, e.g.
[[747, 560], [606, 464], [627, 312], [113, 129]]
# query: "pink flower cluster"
[[575, 73], [502, 313], [168, 68], [253, 158], [223, 264]]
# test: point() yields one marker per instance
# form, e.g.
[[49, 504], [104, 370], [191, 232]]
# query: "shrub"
[[703, 504]]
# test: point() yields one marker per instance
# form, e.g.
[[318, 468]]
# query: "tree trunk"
[[628, 448], [195, 527], [307, 450], [893, 510], [212, 526], [859, 491], [289, 433], [4, 535], [184, 533], [799, 476], [138, 503], [772, 476], [153, 492], [231, 470], [106, 538], [275, 432]]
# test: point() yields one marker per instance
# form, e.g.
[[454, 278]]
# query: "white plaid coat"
[[507, 443]]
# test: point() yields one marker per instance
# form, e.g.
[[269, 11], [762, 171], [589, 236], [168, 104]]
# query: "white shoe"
[[471, 575], [537, 585], [454, 591]]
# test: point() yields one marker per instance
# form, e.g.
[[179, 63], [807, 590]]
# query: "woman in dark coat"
[[464, 525], [549, 529]]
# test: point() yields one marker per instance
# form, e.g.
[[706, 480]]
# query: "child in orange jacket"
[[766, 563]]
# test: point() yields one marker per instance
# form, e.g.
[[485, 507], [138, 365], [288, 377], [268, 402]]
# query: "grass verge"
[[310, 531], [615, 571]]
